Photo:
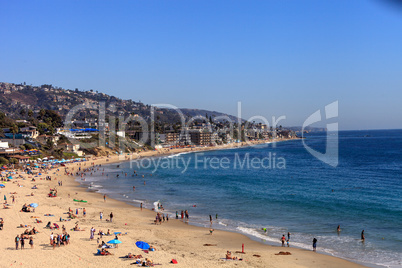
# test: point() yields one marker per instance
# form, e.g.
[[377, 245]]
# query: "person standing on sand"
[[283, 239], [111, 216], [22, 242], [101, 215], [210, 219], [104, 198], [314, 244], [17, 241], [141, 206]]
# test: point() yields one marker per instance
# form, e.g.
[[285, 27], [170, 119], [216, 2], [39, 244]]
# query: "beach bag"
[[174, 261]]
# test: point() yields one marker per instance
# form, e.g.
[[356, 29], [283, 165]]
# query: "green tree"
[[30, 113], [49, 144], [22, 112], [59, 152], [42, 113], [13, 161], [14, 130], [3, 161], [42, 128]]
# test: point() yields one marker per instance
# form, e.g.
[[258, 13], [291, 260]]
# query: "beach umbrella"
[[9, 177], [2, 185], [116, 233], [142, 245], [33, 205], [114, 241]]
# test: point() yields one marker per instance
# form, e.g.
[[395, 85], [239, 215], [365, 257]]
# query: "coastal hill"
[[22, 101]]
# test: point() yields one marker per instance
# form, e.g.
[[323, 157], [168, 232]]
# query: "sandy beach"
[[191, 246]]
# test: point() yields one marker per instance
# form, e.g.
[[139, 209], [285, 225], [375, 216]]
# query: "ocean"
[[283, 188]]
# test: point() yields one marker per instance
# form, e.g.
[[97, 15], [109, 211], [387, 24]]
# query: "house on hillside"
[[29, 132], [43, 139], [71, 148]]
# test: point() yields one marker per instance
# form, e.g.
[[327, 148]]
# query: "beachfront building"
[[200, 137], [3, 144], [172, 138]]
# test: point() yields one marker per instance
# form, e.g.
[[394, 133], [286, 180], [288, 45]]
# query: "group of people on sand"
[[20, 241], [159, 218], [138, 259], [59, 239], [25, 208], [230, 257]]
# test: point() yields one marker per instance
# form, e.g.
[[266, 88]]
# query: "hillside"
[[21, 101]]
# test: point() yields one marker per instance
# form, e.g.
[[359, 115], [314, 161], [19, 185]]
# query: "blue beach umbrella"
[[114, 241], [10, 178], [116, 233], [33, 205], [2, 185], [142, 245]]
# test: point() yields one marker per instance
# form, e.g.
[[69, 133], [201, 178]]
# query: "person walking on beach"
[[283, 239], [104, 198], [362, 236], [22, 242], [141, 206], [314, 244], [210, 219], [111, 216], [288, 235], [101, 215]]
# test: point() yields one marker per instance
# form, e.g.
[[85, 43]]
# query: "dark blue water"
[[284, 189]]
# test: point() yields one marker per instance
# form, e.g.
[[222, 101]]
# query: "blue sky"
[[277, 57]]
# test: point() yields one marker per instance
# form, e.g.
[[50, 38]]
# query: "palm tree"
[[14, 130]]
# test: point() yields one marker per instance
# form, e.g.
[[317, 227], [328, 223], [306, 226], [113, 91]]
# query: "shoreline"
[[173, 240]]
